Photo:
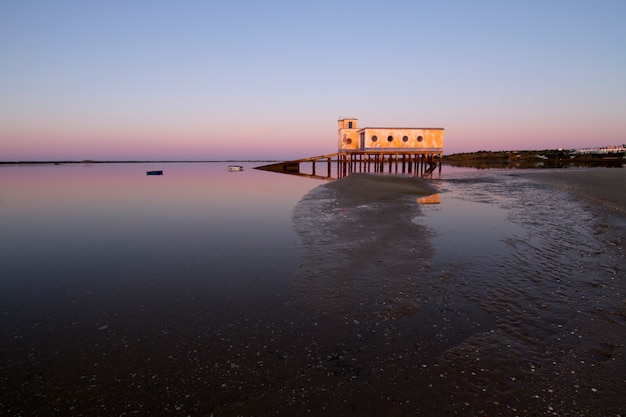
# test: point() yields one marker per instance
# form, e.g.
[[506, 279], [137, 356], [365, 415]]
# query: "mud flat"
[[505, 299], [604, 186]]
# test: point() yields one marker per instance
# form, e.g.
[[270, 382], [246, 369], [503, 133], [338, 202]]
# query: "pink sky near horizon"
[[244, 143], [240, 80]]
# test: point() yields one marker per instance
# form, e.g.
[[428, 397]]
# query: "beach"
[[531, 326], [603, 187], [493, 292]]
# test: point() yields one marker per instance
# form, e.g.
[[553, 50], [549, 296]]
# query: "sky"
[[236, 79]]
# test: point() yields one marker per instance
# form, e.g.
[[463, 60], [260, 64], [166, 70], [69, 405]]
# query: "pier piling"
[[422, 163]]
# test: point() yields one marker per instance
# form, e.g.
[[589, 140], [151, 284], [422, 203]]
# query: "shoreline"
[[88, 161], [604, 187], [504, 295], [533, 313]]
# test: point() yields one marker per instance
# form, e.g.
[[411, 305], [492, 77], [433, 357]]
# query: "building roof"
[[404, 128]]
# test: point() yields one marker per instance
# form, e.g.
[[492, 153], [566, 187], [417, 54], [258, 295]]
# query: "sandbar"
[[604, 186], [488, 332]]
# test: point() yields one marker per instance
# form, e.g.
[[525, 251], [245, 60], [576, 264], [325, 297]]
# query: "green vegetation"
[[547, 158], [500, 156]]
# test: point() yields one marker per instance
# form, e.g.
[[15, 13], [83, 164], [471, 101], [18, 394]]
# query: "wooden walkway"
[[422, 163]]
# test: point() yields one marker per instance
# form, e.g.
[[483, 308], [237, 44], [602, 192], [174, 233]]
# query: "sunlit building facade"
[[402, 139]]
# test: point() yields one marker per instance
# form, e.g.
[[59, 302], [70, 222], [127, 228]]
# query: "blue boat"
[[154, 172]]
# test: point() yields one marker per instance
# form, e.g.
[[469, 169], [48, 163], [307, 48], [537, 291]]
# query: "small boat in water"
[[234, 168], [154, 172]]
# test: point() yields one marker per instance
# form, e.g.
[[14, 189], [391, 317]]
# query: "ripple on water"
[[541, 265]]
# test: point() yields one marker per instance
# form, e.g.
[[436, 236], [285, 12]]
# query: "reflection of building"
[[388, 139], [430, 199]]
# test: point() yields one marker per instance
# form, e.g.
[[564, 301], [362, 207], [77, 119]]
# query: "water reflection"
[[121, 293], [430, 199], [330, 169], [465, 228], [107, 272], [98, 209], [114, 227]]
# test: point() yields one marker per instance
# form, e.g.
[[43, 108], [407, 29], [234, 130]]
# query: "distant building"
[[603, 150], [389, 139]]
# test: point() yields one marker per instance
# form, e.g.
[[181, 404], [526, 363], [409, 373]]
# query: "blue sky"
[[255, 80]]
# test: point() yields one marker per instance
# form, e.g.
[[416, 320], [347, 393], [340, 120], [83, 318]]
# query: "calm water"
[[185, 294], [86, 234], [104, 268]]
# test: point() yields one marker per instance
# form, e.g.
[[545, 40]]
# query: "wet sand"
[[605, 187], [537, 329]]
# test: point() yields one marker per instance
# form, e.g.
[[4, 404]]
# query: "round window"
[[349, 141], [389, 138], [374, 138], [420, 138], [405, 138]]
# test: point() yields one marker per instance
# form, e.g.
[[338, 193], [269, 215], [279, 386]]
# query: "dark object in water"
[[154, 172]]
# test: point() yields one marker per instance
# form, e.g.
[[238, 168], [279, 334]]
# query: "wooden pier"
[[418, 163]]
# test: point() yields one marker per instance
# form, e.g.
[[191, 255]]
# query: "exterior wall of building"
[[401, 138], [347, 123], [348, 137]]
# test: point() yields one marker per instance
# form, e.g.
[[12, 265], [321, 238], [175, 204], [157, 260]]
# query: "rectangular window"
[[349, 125]]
